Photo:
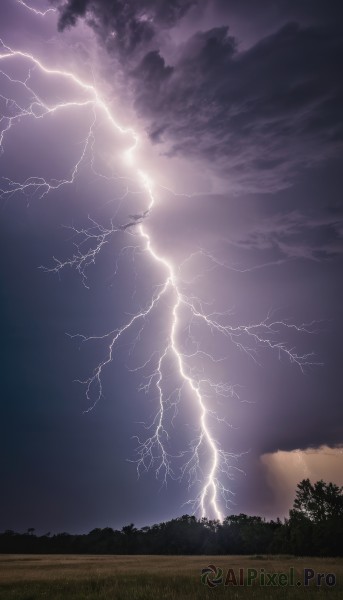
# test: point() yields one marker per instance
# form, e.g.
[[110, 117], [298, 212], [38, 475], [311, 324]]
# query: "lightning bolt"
[[204, 462], [41, 13]]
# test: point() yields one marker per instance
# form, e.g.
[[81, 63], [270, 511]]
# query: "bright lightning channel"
[[41, 13], [213, 473]]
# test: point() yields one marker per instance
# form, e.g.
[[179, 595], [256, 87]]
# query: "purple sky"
[[238, 115]]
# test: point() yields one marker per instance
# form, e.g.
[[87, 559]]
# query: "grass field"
[[61, 577]]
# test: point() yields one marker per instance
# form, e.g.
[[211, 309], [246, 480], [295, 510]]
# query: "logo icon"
[[212, 576]]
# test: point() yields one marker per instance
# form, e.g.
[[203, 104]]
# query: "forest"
[[314, 528]]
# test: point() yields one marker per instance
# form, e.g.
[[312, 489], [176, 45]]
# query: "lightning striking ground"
[[204, 463]]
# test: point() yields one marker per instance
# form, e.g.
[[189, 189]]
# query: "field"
[[61, 577]]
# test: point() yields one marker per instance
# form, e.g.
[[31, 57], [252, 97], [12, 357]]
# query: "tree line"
[[314, 528]]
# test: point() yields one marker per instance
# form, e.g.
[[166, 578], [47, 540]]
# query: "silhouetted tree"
[[318, 502], [315, 525]]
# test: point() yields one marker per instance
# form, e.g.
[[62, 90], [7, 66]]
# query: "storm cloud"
[[257, 115], [126, 27], [314, 236]]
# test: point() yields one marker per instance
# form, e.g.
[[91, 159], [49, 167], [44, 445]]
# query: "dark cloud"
[[125, 27], [71, 11], [297, 234], [153, 70], [274, 10], [256, 116], [259, 115]]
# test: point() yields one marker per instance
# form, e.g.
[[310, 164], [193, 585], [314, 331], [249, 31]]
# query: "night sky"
[[237, 107]]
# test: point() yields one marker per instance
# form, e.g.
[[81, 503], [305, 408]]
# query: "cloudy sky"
[[237, 112]]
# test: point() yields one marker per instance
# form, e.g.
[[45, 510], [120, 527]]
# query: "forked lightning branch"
[[204, 465]]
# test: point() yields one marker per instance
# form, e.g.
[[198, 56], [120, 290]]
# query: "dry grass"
[[57, 577]]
